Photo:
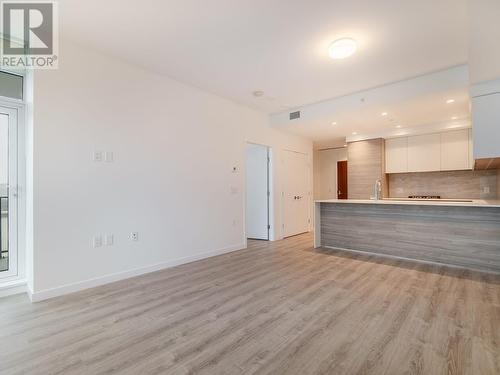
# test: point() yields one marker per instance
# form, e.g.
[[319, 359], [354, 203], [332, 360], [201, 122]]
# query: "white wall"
[[172, 181], [325, 172], [484, 34]]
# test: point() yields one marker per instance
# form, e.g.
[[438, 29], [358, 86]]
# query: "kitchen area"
[[432, 195]]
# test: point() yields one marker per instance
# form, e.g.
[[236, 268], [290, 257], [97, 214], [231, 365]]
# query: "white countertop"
[[416, 202]]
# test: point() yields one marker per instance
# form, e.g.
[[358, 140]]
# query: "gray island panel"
[[455, 235]]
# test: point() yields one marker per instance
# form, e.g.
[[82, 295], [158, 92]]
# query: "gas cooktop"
[[424, 196]]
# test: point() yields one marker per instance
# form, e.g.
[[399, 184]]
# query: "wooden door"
[[342, 191]]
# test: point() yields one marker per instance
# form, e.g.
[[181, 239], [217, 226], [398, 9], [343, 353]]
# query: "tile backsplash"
[[454, 184]]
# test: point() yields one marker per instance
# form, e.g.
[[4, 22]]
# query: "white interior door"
[[8, 193], [296, 205], [257, 192]]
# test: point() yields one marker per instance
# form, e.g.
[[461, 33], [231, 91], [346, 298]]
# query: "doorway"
[[296, 207], [342, 188], [257, 192], [8, 193]]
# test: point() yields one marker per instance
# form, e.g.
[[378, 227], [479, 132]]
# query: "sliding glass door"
[[8, 192]]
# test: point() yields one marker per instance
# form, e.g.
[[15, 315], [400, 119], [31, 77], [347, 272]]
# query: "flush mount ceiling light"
[[258, 93], [342, 48], [354, 133], [449, 101], [384, 113]]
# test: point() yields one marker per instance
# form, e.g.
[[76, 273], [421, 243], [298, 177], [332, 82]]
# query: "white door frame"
[[13, 233]]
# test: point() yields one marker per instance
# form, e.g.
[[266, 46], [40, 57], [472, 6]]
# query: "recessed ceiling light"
[[342, 48], [354, 133], [334, 123], [449, 101], [258, 94], [384, 113], [454, 118], [398, 126], [345, 145]]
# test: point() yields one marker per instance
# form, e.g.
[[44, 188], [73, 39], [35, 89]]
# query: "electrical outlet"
[[134, 236], [486, 190], [108, 240], [97, 241]]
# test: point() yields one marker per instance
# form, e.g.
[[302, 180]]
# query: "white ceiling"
[[420, 111], [419, 102], [234, 47]]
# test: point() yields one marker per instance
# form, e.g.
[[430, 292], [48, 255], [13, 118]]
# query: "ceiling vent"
[[294, 115]]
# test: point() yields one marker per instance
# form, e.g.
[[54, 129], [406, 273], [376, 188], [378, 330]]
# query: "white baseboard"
[[91, 283], [12, 288], [29, 292]]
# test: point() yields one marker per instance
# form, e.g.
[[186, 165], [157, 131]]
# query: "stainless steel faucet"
[[377, 190]]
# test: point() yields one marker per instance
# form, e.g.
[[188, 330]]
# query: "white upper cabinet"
[[448, 151], [396, 155], [455, 150], [424, 153], [486, 120]]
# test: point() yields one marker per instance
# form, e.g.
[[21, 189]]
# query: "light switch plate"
[[108, 240], [108, 156], [97, 156], [97, 241]]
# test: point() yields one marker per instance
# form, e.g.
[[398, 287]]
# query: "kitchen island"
[[463, 233]]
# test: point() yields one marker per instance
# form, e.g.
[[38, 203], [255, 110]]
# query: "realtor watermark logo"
[[29, 34]]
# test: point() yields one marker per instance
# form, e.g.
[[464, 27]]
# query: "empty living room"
[[249, 187]]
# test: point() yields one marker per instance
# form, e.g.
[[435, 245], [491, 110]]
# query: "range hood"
[[486, 124]]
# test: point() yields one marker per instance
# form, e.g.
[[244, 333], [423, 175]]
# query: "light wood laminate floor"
[[275, 308]]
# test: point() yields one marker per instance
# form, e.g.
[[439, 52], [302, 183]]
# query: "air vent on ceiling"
[[294, 115]]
